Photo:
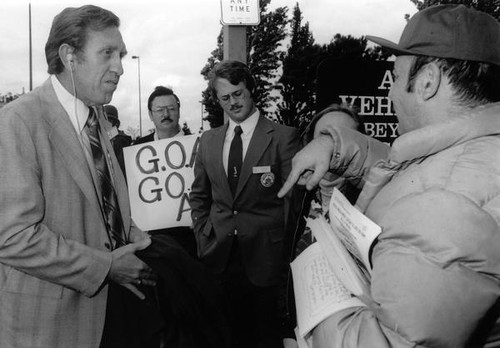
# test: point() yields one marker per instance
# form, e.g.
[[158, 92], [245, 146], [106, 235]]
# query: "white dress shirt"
[[78, 114], [180, 134], [247, 126]]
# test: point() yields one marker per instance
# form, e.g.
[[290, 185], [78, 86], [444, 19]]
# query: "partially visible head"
[[85, 42], [451, 42], [334, 115], [232, 84], [112, 114], [164, 109]]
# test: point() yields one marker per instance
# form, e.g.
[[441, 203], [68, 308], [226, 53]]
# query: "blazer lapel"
[[63, 136], [218, 164], [260, 141]]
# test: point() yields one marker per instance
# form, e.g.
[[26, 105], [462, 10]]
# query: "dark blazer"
[[187, 307], [145, 139], [120, 141], [256, 215]]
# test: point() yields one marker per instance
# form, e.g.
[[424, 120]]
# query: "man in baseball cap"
[[435, 280], [118, 138]]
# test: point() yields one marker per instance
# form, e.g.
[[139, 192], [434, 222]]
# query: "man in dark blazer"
[[240, 235], [118, 138]]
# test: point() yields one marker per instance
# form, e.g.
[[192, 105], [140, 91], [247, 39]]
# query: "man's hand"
[[127, 269], [310, 164]]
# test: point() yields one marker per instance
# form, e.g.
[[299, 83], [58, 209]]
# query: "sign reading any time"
[[240, 12]]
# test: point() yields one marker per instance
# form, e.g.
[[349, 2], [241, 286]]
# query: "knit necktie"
[[110, 207], [235, 159]]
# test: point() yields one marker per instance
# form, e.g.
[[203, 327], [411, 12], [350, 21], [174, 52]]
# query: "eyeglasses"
[[237, 95], [160, 111]]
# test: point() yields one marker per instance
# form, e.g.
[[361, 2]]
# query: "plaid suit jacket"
[[53, 258]]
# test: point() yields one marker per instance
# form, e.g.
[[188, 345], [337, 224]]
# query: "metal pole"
[[31, 53], [201, 121], [139, 79]]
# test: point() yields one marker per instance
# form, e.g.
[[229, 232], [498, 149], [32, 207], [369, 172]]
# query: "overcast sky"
[[173, 38]]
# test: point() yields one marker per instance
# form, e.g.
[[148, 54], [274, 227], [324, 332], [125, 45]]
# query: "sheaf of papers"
[[347, 270], [318, 292], [356, 231]]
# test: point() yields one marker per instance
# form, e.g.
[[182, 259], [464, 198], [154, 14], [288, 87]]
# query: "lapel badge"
[[267, 179]]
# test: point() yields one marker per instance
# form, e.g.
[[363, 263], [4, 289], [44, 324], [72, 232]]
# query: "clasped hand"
[[128, 270]]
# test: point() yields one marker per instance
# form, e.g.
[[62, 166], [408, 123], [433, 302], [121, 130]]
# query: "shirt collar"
[[77, 111], [248, 125], [155, 136]]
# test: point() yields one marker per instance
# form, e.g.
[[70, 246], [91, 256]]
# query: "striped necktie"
[[110, 207]]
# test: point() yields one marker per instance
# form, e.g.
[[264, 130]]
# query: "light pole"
[[139, 79], [201, 125]]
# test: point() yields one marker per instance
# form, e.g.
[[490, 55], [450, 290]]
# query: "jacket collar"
[[426, 141]]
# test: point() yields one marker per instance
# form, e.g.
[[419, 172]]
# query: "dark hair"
[[233, 71], [475, 83], [160, 91], [71, 27], [308, 133]]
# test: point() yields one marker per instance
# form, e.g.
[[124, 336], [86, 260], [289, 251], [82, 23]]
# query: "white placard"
[[159, 178]]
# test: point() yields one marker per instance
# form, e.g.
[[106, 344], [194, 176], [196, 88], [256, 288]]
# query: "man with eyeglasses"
[[164, 111], [239, 222]]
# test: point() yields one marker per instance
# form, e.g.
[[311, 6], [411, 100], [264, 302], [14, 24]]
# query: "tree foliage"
[[299, 70], [489, 6], [215, 113], [300, 65], [263, 60]]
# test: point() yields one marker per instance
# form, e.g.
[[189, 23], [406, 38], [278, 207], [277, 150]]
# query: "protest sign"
[[159, 177]]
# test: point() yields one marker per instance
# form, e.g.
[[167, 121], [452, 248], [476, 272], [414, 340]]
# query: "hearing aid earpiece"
[[69, 58]]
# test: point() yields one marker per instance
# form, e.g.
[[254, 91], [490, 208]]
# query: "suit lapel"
[[260, 141], [218, 164], [63, 136]]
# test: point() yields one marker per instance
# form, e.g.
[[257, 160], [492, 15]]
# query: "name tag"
[[261, 170]]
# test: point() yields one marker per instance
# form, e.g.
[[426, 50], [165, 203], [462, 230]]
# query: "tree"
[[491, 7], [299, 69], [215, 113], [263, 59], [300, 64]]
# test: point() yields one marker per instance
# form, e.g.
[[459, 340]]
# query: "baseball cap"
[[112, 113], [448, 31]]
